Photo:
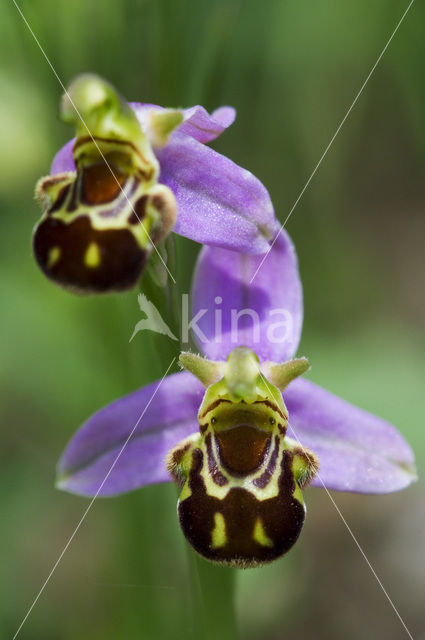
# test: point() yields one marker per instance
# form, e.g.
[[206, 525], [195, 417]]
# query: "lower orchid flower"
[[241, 470], [132, 174]]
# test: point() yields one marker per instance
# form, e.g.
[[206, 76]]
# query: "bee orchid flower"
[[239, 431], [134, 173]]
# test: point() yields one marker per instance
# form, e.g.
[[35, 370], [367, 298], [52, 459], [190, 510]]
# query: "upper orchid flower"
[[242, 470], [131, 175]]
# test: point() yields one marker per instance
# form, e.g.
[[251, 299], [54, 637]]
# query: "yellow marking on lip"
[[54, 256], [218, 535], [260, 535], [92, 256]]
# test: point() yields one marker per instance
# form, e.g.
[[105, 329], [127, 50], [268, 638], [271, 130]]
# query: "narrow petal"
[[202, 126], [265, 315], [219, 203], [167, 417], [357, 451], [197, 123]]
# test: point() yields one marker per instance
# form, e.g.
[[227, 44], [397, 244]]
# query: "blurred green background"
[[291, 68]]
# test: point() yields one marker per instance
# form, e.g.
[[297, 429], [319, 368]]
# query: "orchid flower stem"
[[196, 604], [212, 599], [211, 586], [216, 592], [157, 286], [173, 289]]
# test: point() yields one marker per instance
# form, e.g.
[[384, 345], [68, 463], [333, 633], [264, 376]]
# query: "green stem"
[[214, 598], [157, 286], [212, 587]]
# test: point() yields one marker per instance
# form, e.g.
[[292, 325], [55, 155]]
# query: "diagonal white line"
[[360, 548], [348, 527], [333, 138], [356, 541], [88, 131], [53, 569]]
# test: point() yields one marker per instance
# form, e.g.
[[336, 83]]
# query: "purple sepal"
[[218, 202], [272, 323], [169, 416], [63, 160], [357, 451]]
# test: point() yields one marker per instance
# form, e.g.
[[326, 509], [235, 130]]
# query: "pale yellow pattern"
[[92, 256], [54, 256], [260, 535], [218, 535]]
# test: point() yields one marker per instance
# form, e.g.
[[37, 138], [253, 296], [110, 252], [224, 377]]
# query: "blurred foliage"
[[291, 69]]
